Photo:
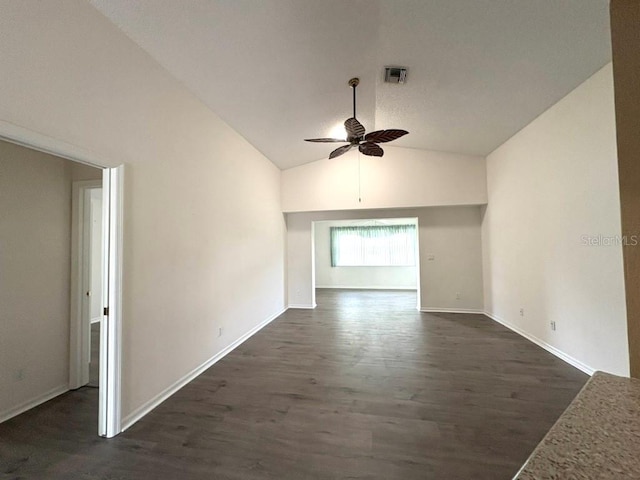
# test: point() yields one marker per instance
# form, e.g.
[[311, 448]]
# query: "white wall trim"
[[299, 305], [37, 141], [541, 343], [366, 287], [452, 310], [145, 408], [110, 397], [28, 405]]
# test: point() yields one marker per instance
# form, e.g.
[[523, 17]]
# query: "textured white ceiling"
[[277, 70]]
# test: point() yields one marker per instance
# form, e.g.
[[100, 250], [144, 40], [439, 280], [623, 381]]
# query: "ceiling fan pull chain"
[[359, 177]]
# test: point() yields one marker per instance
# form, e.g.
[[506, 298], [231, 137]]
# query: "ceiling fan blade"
[[325, 140], [340, 150], [381, 136], [371, 149], [354, 128]]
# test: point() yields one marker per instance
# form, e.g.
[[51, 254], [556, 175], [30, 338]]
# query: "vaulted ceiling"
[[277, 70]]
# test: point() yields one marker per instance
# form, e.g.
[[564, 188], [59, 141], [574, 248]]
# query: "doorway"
[[86, 283], [95, 347], [109, 421], [95, 284], [366, 254]]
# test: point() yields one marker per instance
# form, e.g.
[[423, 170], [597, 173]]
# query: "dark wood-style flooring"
[[363, 387]]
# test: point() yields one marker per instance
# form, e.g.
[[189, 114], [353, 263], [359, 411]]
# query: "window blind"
[[378, 245]]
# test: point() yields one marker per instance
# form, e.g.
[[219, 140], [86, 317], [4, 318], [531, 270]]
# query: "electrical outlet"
[[220, 332], [522, 312], [431, 257], [457, 295], [553, 325]]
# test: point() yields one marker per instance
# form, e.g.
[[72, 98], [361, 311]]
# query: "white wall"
[[35, 260], [550, 185], [203, 231], [403, 177], [388, 277], [450, 234]]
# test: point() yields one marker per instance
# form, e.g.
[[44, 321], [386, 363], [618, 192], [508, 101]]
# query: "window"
[[373, 246]]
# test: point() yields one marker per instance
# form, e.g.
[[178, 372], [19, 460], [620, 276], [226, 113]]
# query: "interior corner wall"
[[449, 235], [35, 263], [551, 230], [203, 225], [369, 277], [81, 172]]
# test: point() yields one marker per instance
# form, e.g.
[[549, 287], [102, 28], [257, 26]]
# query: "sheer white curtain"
[[379, 245]]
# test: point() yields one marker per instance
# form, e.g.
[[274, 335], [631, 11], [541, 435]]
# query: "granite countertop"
[[597, 437]]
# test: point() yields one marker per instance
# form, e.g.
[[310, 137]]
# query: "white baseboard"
[[452, 310], [28, 405], [364, 287], [541, 343], [145, 408], [299, 305]]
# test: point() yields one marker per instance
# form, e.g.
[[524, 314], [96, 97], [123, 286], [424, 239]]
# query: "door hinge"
[[106, 311]]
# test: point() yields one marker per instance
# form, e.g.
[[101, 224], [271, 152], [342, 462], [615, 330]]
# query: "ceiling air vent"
[[395, 74]]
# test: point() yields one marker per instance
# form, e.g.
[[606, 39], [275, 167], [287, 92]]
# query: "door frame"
[[80, 329], [109, 411], [365, 216]]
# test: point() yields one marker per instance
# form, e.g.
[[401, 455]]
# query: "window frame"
[[370, 234]]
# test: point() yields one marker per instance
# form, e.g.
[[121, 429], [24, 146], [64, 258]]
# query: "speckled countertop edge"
[[597, 437]]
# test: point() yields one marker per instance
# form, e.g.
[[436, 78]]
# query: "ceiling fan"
[[367, 144]]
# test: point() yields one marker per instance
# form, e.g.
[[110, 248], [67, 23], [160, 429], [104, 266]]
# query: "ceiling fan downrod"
[[353, 83]]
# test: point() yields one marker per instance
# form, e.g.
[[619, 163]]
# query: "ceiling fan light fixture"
[[339, 132]]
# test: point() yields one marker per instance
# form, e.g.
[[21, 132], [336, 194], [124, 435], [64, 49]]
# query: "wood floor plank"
[[362, 387]]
